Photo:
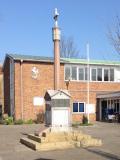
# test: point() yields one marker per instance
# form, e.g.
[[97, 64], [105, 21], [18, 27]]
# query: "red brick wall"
[[1, 83], [31, 88], [1, 91], [38, 87], [78, 91]]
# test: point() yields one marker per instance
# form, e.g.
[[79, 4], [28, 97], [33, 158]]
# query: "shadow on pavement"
[[104, 154], [25, 134], [43, 159]]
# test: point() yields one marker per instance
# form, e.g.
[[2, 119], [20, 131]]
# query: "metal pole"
[[88, 79]]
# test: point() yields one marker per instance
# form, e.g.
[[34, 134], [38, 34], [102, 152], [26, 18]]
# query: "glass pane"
[[81, 74], [81, 107], [75, 107], [86, 74], [93, 74], [106, 75], [74, 73], [111, 74], [67, 73], [99, 74]]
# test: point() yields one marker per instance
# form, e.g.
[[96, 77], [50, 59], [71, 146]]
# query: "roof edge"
[[62, 60]]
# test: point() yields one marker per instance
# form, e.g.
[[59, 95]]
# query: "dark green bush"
[[40, 118], [8, 120], [85, 119], [19, 121]]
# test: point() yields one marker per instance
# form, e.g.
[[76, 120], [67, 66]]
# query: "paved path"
[[110, 135], [11, 149]]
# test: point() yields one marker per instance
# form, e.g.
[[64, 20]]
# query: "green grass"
[[86, 124], [10, 121], [77, 124], [18, 122], [30, 121]]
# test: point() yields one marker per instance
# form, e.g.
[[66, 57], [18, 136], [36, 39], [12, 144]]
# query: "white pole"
[[88, 79]]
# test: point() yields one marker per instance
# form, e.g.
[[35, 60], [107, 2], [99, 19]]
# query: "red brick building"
[[27, 78], [1, 91]]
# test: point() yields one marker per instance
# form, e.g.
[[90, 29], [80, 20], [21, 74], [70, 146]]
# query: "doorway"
[[60, 117], [0, 111], [103, 109]]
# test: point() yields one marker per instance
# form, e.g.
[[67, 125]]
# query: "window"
[[81, 107], [86, 73], [75, 107], [111, 74], [106, 75], [93, 74], [99, 74], [81, 74], [78, 107], [67, 72], [74, 73]]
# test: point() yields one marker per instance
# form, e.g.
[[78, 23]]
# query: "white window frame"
[[90, 74], [78, 108]]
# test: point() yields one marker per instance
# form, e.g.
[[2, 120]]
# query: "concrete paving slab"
[[11, 149]]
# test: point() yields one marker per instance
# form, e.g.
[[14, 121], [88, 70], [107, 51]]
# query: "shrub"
[[8, 121], [75, 124], [30, 121], [85, 119], [86, 124], [19, 121], [40, 117]]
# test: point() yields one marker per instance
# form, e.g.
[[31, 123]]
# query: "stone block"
[[91, 142]]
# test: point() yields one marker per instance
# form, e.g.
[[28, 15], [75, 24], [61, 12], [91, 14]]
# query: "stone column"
[[56, 40]]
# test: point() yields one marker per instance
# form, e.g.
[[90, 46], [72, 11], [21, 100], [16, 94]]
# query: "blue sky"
[[26, 26]]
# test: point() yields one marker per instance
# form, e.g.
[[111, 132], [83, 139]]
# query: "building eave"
[[29, 58], [109, 95], [91, 62]]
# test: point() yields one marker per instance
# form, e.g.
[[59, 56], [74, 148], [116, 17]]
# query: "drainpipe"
[[21, 88], [56, 40], [12, 109]]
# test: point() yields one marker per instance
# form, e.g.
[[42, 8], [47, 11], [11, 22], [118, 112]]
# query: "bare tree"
[[114, 34], [68, 48]]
